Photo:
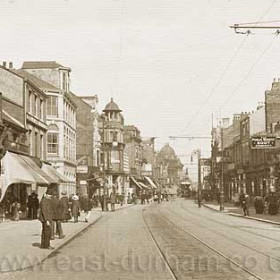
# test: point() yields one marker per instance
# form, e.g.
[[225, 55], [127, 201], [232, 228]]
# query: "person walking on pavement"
[[56, 222], [86, 206], [259, 204], [75, 207], [112, 201], [244, 202], [33, 205], [101, 200], [46, 216], [65, 207], [199, 199]]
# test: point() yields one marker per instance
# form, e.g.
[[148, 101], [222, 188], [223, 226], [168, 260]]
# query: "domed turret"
[[112, 107], [167, 151]]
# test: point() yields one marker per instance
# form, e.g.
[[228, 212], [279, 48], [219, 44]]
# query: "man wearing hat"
[[46, 216]]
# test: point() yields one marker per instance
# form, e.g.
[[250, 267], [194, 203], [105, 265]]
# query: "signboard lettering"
[[263, 142]]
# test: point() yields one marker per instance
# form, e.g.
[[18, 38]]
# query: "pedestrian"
[[121, 199], [159, 196], [112, 201], [86, 207], [143, 197], [129, 199], [75, 208], [244, 202], [65, 207], [199, 199], [33, 205], [46, 216], [101, 200], [272, 201], [259, 204], [57, 217], [15, 207], [2, 212]]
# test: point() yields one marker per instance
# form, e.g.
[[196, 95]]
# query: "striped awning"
[[136, 182], [150, 181]]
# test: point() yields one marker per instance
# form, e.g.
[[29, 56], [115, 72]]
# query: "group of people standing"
[[268, 204], [54, 211]]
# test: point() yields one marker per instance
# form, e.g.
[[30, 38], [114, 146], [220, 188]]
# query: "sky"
[[173, 66]]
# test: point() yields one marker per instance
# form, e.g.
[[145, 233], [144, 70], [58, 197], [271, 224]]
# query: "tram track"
[[232, 239], [194, 239], [234, 227]]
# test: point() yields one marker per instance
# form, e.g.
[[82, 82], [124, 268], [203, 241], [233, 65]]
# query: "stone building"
[[54, 79], [170, 166], [88, 144], [112, 130], [133, 148], [23, 138]]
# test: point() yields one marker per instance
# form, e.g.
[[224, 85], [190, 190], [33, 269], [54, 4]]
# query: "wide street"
[[171, 240]]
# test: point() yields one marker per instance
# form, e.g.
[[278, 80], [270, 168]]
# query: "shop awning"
[[54, 174], [21, 169], [136, 183], [151, 182], [144, 186]]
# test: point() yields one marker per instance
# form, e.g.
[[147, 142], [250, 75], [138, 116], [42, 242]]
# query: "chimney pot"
[[274, 80], [4, 64], [10, 65]]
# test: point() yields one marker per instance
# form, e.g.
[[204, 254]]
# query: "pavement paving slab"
[[238, 212], [20, 240]]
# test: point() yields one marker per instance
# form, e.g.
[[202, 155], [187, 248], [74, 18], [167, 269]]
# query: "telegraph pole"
[[222, 207]]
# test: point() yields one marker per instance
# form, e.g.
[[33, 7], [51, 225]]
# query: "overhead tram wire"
[[218, 82], [248, 73], [229, 64]]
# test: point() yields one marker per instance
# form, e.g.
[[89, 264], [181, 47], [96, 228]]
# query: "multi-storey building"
[[23, 137], [133, 147], [170, 166], [54, 80], [112, 130], [88, 145]]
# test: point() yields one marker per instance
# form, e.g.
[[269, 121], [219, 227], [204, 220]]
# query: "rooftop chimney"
[[10, 65], [4, 64]]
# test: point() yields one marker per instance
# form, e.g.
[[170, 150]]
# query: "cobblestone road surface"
[[197, 243]]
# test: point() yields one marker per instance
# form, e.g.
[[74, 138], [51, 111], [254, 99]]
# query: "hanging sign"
[[263, 142]]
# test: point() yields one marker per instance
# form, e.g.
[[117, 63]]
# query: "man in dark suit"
[[46, 216], [57, 217]]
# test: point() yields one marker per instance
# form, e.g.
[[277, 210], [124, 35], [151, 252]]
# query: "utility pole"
[[199, 169], [222, 207]]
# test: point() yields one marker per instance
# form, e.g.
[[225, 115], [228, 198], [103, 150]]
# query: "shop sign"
[[82, 169], [263, 142]]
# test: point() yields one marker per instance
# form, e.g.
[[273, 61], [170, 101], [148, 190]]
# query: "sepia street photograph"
[[139, 139]]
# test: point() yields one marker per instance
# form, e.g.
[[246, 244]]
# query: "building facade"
[[113, 148], [54, 80]]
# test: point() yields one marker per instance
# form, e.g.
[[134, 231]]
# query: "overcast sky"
[[169, 64]]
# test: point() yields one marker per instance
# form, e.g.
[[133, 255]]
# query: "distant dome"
[[112, 107], [167, 150]]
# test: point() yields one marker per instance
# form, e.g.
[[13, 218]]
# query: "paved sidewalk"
[[237, 211], [20, 241]]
